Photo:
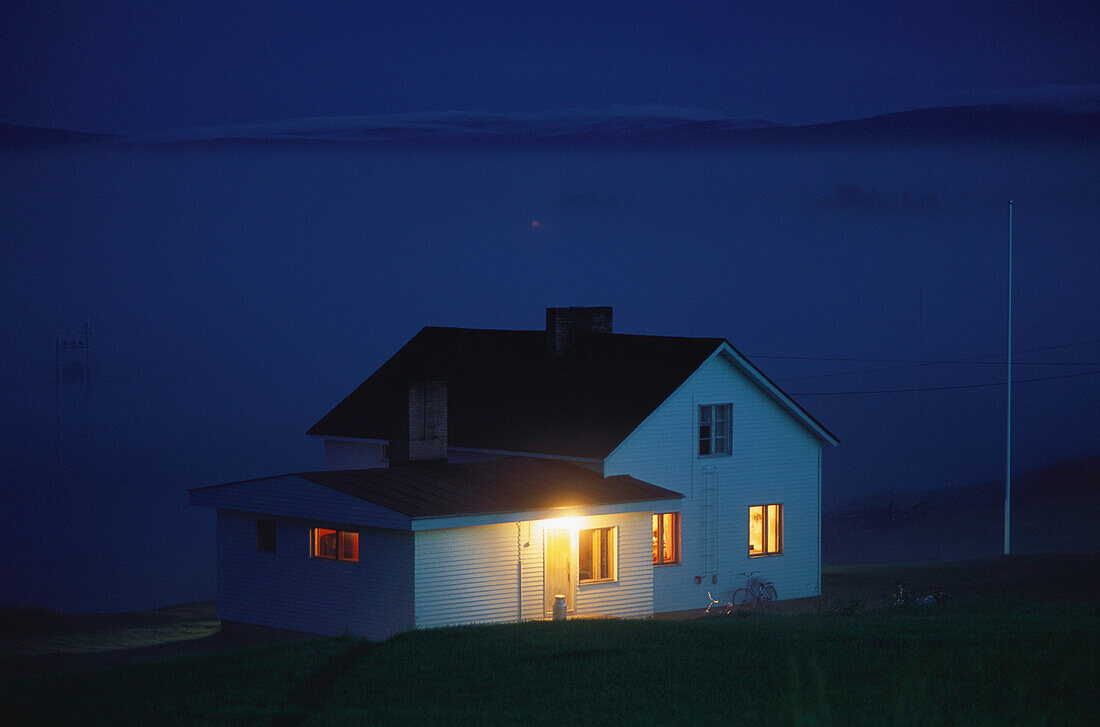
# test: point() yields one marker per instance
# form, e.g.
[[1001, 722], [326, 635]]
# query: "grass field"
[[1016, 645]]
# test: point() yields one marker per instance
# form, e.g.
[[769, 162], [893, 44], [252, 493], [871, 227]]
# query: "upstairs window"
[[666, 538], [596, 551], [334, 544], [765, 530], [265, 536], [714, 430]]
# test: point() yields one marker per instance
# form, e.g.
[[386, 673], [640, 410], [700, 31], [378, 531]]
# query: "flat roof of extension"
[[512, 484]]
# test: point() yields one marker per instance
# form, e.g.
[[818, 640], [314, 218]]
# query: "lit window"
[[666, 538], [714, 429], [765, 530], [334, 544], [597, 555], [349, 546], [265, 536]]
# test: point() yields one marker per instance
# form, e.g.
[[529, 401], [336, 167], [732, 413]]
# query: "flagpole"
[[1008, 388]]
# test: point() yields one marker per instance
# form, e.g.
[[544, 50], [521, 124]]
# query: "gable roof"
[[438, 489], [507, 393]]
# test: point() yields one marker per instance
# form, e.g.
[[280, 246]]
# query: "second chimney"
[[420, 433], [563, 325]]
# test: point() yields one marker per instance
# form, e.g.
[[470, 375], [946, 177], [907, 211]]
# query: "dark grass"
[[1015, 644], [1013, 664], [250, 686], [1030, 578]]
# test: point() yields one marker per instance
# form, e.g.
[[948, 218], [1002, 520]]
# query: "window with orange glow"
[[349, 546], [334, 544], [666, 538], [765, 530], [596, 555]]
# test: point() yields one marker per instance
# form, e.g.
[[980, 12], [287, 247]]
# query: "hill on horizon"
[[617, 127], [1055, 508]]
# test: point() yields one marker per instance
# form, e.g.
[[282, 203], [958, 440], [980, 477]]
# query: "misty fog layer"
[[236, 292]]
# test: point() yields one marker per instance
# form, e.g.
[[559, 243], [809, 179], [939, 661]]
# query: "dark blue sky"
[[140, 66]]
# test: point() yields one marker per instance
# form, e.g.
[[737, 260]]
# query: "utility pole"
[[87, 361], [57, 409], [1008, 388]]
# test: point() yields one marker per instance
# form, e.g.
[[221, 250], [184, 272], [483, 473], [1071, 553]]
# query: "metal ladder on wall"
[[709, 521]]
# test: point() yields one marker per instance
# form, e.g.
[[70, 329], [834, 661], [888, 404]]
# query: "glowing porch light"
[[562, 523]]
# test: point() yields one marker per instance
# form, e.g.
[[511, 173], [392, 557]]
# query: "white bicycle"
[[757, 593]]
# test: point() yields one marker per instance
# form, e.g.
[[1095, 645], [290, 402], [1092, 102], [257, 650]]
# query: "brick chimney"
[[563, 325], [420, 433]]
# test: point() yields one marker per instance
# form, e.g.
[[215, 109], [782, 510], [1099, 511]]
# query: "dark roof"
[[506, 392], [511, 484]]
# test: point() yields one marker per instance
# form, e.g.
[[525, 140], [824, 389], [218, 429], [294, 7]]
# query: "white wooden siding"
[[494, 573], [466, 575], [631, 594], [774, 459], [289, 590]]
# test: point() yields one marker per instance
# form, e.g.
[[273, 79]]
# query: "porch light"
[[560, 523]]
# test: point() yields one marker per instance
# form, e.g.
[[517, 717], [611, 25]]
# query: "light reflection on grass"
[[112, 639]]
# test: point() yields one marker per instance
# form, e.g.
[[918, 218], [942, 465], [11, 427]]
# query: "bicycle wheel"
[[768, 597], [743, 598]]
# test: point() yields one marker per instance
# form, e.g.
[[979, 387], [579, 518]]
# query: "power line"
[[918, 363], [976, 359], [937, 363], [942, 388], [913, 363]]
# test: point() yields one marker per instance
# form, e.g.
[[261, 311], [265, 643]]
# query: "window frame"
[[339, 555], [612, 555], [781, 527], [262, 536], [711, 438], [658, 550]]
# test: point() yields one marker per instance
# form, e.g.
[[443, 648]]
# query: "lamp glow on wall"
[[562, 523]]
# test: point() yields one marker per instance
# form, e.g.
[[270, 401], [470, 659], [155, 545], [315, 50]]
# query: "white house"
[[480, 473]]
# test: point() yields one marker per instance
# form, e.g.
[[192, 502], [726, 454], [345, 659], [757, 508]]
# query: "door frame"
[[571, 575]]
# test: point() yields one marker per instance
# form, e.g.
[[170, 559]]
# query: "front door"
[[559, 569]]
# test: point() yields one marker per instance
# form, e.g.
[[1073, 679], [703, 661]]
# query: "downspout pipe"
[[519, 575]]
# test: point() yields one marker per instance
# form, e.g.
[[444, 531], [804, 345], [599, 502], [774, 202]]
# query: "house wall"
[[631, 595], [494, 573], [342, 454], [349, 455], [288, 589], [774, 459]]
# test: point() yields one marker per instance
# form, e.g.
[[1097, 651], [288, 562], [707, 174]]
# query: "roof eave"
[[440, 522], [781, 397]]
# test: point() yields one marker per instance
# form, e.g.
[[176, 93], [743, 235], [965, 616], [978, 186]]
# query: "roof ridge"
[[480, 330], [613, 334]]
